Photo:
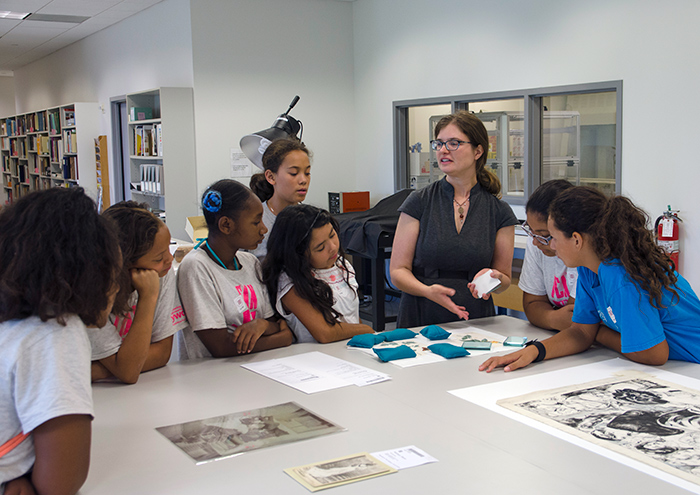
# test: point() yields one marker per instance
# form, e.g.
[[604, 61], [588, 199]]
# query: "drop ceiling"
[[25, 41]]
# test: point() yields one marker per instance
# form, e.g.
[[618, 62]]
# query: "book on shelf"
[[152, 178], [70, 141], [145, 140], [42, 145], [140, 113], [70, 168], [53, 123], [69, 117], [41, 121]]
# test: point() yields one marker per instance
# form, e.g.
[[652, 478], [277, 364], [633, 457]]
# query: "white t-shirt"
[[268, 219], [168, 318], [547, 275], [44, 374], [345, 300], [214, 297]]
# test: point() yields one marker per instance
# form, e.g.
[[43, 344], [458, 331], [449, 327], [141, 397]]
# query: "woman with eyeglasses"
[[548, 285], [453, 231], [628, 298]]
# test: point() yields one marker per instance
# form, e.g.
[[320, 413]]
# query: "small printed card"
[[336, 472], [405, 457]]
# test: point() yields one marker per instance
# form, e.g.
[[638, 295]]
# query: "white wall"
[[139, 53], [251, 58], [7, 96], [509, 44]]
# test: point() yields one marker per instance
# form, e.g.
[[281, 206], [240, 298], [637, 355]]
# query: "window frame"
[[532, 101]]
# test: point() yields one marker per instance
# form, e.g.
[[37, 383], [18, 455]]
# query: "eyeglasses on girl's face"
[[541, 239], [450, 144]]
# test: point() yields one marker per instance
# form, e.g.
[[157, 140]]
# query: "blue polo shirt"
[[612, 298]]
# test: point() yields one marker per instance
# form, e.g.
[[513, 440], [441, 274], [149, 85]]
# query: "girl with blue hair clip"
[[225, 302]]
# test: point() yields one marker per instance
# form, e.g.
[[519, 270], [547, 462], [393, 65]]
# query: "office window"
[[578, 139], [535, 135], [505, 122]]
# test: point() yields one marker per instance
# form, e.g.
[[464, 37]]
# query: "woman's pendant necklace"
[[460, 207]]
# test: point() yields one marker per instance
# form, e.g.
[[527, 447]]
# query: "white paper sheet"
[[315, 372], [487, 396], [404, 457], [423, 356]]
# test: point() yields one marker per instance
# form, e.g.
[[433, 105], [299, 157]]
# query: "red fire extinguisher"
[[668, 234]]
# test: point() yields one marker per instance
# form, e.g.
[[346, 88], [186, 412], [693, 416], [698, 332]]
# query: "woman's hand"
[[494, 274], [512, 361], [245, 336], [146, 282], [441, 295]]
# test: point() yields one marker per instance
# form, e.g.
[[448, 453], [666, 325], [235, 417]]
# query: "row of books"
[[152, 178], [39, 144], [148, 140], [14, 127], [70, 168], [35, 122], [70, 141], [18, 148]]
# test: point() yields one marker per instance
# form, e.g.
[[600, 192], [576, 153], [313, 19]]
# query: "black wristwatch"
[[541, 351]]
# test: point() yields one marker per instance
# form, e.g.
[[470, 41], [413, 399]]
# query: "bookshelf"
[[44, 149], [161, 169]]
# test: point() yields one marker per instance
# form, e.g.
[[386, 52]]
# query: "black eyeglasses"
[[450, 144], [540, 239]]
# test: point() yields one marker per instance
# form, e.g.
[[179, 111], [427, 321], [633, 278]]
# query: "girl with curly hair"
[[147, 311], [227, 306], [60, 263], [628, 298], [312, 284]]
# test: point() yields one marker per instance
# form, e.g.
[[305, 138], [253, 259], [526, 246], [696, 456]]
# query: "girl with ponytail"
[[629, 296], [284, 181], [453, 231]]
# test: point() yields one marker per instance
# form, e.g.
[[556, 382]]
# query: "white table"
[[478, 451]]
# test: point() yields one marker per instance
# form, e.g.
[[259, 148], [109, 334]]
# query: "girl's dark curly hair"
[[137, 228], [618, 229], [59, 257], [272, 159], [288, 251], [226, 197]]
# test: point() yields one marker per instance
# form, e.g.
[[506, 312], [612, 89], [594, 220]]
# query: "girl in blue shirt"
[[629, 297]]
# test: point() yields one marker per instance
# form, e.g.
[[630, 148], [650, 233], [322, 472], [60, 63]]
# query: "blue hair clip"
[[212, 201]]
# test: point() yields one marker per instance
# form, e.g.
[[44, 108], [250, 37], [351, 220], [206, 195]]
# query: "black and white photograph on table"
[[335, 472], [635, 414], [233, 434]]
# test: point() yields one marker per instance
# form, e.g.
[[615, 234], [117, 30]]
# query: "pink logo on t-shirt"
[[250, 299], [560, 292], [177, 315], [123, 324]]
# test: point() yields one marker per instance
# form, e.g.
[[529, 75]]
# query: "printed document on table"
[[404, 457], [315, 372]]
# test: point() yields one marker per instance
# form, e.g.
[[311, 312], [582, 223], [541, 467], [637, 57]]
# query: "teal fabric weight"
[[434, 332], [387, 354], [448, 351]]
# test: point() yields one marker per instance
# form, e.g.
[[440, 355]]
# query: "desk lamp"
[[285, 126]]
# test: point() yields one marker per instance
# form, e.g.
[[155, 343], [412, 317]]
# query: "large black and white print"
[[636, 414]]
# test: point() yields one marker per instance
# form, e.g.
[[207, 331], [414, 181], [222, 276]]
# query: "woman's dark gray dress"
[[448, 258]]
